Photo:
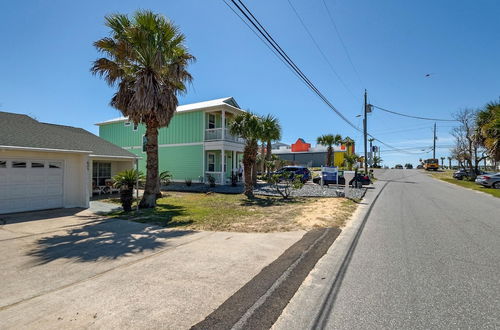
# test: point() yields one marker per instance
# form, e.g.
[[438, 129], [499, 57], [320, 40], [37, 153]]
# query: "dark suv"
[[288, 171]]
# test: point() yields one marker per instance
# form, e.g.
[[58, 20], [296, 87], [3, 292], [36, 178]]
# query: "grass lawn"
[[447, 175], [222, 212]]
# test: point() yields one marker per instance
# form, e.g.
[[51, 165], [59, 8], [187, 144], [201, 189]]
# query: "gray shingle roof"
[[18, 130]]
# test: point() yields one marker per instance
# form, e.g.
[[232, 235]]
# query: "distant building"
[[301, 153]]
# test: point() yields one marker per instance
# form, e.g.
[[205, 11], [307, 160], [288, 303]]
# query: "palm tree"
[[442, 161], [271, 131], [146, 58], [350, 160], [377, 161], [249, 127], [329, 141], [449, 162], [488, 122], [348, 142]]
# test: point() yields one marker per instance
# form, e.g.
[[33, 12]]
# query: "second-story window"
[[135, 127], [211, 120]]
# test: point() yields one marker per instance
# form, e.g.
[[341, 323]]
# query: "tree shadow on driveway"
[[102, 241]]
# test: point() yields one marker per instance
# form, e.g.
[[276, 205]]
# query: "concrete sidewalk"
[[83, 271]]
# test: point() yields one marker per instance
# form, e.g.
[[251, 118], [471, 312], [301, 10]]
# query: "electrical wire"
[[242, 8], [319, 48], [342, 43], [410, 116]]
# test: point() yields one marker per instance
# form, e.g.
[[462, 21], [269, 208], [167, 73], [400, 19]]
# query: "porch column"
[[223, 124], [222, 164]]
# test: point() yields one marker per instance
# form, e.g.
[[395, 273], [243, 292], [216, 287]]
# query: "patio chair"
[[95, 188], [111, 187]]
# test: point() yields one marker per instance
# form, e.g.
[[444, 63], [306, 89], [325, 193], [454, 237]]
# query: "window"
[[127, 123], [211, 120], [135, 127], [55, 164], [211, 162], [3, 163], [18, 164], [37, 165], [101, 172], [144, 143]]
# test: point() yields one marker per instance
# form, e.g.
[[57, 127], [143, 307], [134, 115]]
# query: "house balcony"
[[221, 134]]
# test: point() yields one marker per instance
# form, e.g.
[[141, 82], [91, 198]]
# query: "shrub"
[[211, 180], [165, 178], [284, 185], [188, 182], [125, 181]]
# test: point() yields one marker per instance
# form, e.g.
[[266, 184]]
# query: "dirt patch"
[[326, 212]]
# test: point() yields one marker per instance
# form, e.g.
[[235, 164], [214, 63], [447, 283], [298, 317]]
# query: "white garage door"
[[27, 185]]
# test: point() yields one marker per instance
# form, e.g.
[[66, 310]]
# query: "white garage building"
[[45, 166]]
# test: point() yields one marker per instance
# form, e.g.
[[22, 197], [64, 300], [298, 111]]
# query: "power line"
[[410, 116], [342, 42], [291, 65], [319, 48]]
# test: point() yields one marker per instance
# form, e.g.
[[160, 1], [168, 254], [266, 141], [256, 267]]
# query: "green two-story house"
[[196, 144]]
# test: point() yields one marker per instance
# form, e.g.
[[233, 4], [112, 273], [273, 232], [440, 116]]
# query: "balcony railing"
[[215, 134]]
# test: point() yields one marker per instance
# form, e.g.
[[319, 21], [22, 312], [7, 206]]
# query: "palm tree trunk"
[[329, 156], [263, 160], [152, 184], [249, 154], [268, 153]]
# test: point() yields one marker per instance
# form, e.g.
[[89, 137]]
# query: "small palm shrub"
[[211, 180], [126, 181], [188, 182], [165, 178]]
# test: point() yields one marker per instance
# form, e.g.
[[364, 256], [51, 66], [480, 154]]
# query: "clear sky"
[[46, 53]]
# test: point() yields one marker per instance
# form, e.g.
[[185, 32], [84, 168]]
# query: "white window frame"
[[208, 161], [214, 121]]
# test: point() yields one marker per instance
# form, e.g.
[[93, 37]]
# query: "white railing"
[[218, 176], [215, 134]]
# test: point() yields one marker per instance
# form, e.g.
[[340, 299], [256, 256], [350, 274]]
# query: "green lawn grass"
[[224, 212], [447, 176]]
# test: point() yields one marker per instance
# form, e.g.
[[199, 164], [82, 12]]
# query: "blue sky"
[[47, 52]]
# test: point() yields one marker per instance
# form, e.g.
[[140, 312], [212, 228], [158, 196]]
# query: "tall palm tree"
[[329, 140], [449, 162], [488, 122], [442, 161], [249, 127], [348, 142], [271, 131], [146, 58]]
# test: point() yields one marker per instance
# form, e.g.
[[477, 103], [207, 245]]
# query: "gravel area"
[[308, 190], [313, 190]]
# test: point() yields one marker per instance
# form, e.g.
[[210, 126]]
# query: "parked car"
[[420, 166], [399, 166], [364, 179], [461, 174], [288, 171], [489, 180]]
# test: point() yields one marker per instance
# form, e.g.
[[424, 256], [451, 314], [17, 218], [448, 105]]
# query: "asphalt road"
[[428, 257]]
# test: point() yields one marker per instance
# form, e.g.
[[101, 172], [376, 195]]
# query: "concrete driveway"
[[74, 269]]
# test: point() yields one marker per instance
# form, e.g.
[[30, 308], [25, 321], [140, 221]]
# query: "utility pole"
[[365, 133], [434, 144]]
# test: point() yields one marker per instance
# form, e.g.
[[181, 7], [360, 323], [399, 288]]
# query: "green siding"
[[183, 128], [183, 162]]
